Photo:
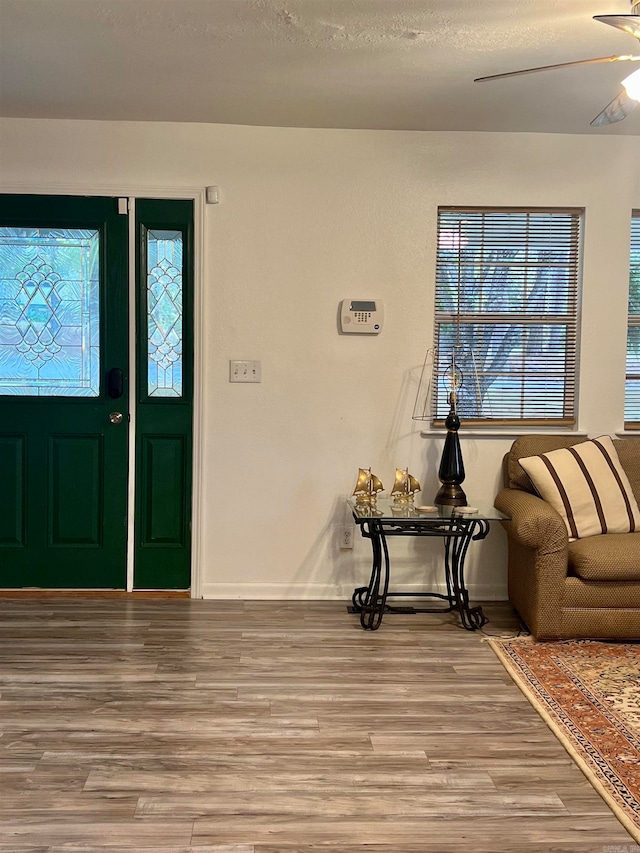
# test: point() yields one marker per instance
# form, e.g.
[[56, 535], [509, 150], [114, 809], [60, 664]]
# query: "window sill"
[[512, 432]]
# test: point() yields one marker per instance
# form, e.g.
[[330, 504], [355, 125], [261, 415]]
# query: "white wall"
[[306, 218]]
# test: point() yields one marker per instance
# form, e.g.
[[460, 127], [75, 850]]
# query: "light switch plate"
[[245, 371]]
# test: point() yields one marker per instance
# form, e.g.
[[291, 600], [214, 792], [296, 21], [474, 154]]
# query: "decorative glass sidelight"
[[49, 312], [164, 313]]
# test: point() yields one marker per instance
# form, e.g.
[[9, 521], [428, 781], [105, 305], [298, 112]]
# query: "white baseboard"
[[324, 592], [273, 591]]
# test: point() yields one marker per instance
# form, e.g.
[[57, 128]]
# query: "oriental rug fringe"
[[588, 693]]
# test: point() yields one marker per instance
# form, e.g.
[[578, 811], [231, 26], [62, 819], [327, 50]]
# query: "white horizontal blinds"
[[632, 387], [507, 292]]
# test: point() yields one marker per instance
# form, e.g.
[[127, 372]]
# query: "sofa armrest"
[[533, 522], [538, 560]]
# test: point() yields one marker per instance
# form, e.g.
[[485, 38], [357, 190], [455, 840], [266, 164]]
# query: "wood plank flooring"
[[170, 726]]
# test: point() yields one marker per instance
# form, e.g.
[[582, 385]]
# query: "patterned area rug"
[[588, 693]]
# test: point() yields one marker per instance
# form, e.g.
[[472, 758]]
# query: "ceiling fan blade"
[[625, 58], [619, 108], [629, 23]]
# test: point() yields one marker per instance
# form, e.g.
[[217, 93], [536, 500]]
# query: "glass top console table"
[[453, 525]]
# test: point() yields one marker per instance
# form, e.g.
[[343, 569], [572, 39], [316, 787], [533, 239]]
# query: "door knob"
[[116, 417]]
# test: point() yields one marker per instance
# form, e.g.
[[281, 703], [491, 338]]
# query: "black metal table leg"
[[456, 548], [361, 597], [370, 601]]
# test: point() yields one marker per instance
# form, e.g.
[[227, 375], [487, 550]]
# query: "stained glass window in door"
[[49, 312], [164, 313]]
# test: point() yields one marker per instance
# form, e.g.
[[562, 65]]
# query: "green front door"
[[63, 392], [65, 426]]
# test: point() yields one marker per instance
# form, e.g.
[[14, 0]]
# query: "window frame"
[[633, 322], [569, 319]]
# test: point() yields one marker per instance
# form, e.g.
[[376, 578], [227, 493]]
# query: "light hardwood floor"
[[270, 727]]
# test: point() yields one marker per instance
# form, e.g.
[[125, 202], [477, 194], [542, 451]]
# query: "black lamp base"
[[450, 494], [451, 472]]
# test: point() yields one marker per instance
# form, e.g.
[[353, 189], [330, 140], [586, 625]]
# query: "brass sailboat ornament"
[[405, 486], [367, 487]]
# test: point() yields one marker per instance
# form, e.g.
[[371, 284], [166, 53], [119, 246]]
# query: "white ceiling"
[[381, 64]]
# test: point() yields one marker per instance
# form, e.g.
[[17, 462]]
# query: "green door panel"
[[163, 478], [164, 410], [76, 487]]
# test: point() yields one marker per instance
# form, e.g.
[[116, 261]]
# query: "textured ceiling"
[[382, 64]]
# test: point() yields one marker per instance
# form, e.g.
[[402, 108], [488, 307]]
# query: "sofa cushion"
[[613, 557], [587, 486]]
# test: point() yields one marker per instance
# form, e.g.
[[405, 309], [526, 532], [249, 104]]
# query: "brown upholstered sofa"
[[588, 588]]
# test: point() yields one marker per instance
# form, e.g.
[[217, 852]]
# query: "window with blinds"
[[507, 286], [632, 386]]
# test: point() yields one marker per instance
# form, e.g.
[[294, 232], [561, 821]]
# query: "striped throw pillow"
[[587, 485]]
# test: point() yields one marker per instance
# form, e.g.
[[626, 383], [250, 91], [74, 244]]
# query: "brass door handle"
[[116, 417]]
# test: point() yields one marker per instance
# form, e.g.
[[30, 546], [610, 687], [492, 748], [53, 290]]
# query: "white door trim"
[[131, 550]]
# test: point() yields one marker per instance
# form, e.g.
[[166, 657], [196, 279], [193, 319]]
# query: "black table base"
[[457, 532]]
